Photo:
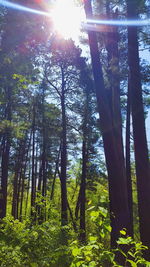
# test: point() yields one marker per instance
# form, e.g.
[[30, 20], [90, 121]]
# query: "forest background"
[[74, 158]]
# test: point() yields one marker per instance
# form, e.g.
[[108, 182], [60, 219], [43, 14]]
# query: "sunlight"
[[67, 18]]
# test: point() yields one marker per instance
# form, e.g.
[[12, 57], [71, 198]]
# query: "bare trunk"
[[64, 216], [139, 133], [33, 181], [128, 161], [56, 171], [5, 158], [18, 167], [82, 236], [119, 211]]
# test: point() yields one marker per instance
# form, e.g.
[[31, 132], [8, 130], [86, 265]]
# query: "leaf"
[[108, 227], [133, 264], [91, 208], [103, 212], [75, 252], [123, 232], [93, 264], [92, 238], [79, 263], [33, 264], [94, 214], [131, 254], [124, 241]]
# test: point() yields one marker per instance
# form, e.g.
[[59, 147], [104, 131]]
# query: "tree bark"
[[82, 236], [119, 210], [64, 216], [18, 171], [23, 176], [5, 158], [33, 180], [128, 160], [139, 133], [15, 183], [56, 171]]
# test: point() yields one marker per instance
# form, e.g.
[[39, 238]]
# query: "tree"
[[119, 210], [61, 74], [139, 133]]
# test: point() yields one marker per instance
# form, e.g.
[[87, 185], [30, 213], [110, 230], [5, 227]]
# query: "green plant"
[[134, 255]]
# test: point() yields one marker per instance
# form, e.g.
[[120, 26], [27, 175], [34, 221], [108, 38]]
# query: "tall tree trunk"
[[44, 157], [23, 177], [119, 210], [28, 190], [28, 167], [33, 181], [18, 168], [5, 158], [78, 204], [64, 216], [22, 195], [18, 192], [139, 133], [82, 236], [115, 105], [15, 184], [55, 173], [128, 161]]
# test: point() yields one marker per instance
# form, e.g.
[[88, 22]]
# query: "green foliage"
[[95, 252], [25, 245], [134, 255], [91, 254]]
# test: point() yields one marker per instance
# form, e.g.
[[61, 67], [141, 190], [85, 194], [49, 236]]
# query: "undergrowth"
[[28, 245]]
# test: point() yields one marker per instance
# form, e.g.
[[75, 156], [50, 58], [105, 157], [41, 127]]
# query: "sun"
[[67, 19]]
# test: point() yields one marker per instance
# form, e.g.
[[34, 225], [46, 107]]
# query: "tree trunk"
[[33, 181], [56, 171], [18, 168], [128, 161], [5, 158], [44, 158], [24, 175], [139, 133], [28, 189], [15, 184], [64, 216], [18, 193], [115, 105], [119, 210], [22, 195], [82, 236]]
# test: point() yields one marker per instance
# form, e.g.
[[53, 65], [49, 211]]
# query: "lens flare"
[[23, 8], [88, 24], [144, 22]]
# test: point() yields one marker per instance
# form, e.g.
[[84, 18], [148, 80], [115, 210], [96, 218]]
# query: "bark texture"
[[139, 133], [119, 210]]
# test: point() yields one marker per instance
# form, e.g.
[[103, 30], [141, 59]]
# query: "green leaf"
[[124, 241], [103, 212], [123, 232], [92, 264], [79, 263], [91, 208], [33, 264], [75, 252], [133, 264], [108, 227], [93, 238]]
